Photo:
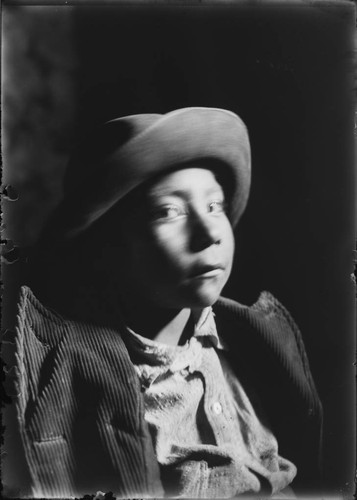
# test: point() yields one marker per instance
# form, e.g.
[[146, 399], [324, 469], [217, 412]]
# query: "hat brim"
[[176, 138]]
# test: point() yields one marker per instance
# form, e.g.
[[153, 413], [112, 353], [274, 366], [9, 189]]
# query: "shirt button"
[[217, 408]]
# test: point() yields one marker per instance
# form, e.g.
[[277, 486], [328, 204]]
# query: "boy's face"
[[178, 245]]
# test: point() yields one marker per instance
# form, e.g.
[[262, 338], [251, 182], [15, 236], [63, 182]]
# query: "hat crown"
[[99, 143]]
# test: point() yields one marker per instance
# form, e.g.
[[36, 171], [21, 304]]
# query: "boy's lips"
[[207, 271]]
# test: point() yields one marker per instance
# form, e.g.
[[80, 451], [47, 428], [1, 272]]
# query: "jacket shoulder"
[[266, 307], [35, 319], [50, 348], [37, 331], [267, 314], [268, 325]]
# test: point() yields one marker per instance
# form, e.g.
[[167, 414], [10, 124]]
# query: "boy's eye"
[[168, 212], [217, 206]]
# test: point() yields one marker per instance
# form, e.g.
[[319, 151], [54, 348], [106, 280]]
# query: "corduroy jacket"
[[81, 413]]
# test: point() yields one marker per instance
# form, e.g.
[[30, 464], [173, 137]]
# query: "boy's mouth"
[[207, 271]]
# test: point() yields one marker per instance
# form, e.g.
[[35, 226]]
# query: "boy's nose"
[[205, 231]]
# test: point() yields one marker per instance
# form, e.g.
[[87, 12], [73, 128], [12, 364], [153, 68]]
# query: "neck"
[[168, 326], [176, 330]]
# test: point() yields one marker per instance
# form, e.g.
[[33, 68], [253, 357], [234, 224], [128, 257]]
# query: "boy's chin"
[[191, 297], [201, 298], [206, 296]]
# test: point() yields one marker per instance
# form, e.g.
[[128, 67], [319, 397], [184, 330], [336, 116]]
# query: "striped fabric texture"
[[81, 411]]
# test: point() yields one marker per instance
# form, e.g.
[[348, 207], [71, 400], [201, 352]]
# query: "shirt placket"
[[215, 399]]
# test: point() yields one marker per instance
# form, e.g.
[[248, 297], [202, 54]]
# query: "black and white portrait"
[[178, 234]]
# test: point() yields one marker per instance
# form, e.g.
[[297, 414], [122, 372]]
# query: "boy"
[[153, 384]]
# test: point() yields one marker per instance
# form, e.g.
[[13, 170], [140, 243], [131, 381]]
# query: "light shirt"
[[207, 437]]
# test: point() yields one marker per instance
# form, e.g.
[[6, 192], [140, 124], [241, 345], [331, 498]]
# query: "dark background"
[[287, 69]]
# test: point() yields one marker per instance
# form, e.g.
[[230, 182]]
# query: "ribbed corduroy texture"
[[81, 413], [80, 409]]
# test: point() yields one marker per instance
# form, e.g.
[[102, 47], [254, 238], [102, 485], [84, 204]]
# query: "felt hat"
[[125, 152]]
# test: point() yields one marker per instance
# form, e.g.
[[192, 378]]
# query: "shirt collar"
[[157, 353]]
